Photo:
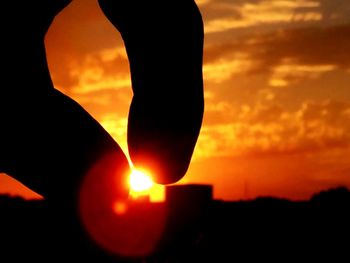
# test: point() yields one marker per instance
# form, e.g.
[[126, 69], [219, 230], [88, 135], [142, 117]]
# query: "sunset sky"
[[277, 93]]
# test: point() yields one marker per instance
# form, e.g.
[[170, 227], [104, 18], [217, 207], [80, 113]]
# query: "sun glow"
[[140, 183]]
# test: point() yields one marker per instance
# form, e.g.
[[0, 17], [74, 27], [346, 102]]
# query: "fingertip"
[[164, 171], [170, 175]]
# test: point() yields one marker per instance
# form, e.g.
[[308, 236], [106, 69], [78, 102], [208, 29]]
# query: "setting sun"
[[142, 185], [140, 181]]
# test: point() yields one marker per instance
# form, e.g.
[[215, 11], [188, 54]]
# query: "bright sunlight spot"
[[140, 181], [143, 188]]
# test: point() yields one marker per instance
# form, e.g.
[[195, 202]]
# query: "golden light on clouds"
[[201, 2], [265, 129], [288, 72], [107, 69], [223, 69], [264, 12]]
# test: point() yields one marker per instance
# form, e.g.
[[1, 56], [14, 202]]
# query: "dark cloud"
[[221, 9], [332, 11], [213, 53], [306, 46], [335, 10]]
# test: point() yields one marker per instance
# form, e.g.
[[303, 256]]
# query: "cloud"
[[335, 10], [285, 57], [308, 46], [282, 75], [288, 53], [202, 2], [317, 46], [223, 69], [77, 32], [100, 103], [248, 114], [224, 15], [106, 69], [270, 129]]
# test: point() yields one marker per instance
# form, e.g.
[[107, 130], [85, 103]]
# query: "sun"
[[140, 182]]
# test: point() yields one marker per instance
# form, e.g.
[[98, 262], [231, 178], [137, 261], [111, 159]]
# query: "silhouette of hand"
[[164, 43], [49, 142], [52, 145]]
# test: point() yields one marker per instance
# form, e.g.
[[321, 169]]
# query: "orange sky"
[[277, 74]]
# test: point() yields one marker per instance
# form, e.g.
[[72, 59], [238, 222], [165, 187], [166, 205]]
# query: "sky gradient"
[[276, 80]]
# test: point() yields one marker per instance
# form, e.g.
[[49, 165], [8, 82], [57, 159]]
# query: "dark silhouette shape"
[[188, 207], [164, 43], [47, 140], [334, 196], [269, 228], [52, 145]]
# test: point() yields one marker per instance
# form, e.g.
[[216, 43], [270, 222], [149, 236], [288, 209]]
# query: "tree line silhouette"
[[266, 228]]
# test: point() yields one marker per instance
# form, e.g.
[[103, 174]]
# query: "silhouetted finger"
[[164, 43]]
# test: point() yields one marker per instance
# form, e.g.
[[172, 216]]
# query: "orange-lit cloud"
[[255, 13], [273, 130], [277, 105], [223, 15], [108, 69], [304, 46]]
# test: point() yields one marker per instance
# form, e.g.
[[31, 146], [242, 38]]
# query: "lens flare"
[[120, 208]]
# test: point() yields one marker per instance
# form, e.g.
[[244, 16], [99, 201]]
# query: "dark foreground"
[[264, 229]]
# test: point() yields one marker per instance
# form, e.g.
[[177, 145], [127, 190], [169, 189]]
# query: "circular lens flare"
[[120, 207], [140, 181], [123, 226]]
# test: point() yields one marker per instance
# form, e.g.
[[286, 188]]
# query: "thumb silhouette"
[[164, 43]]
